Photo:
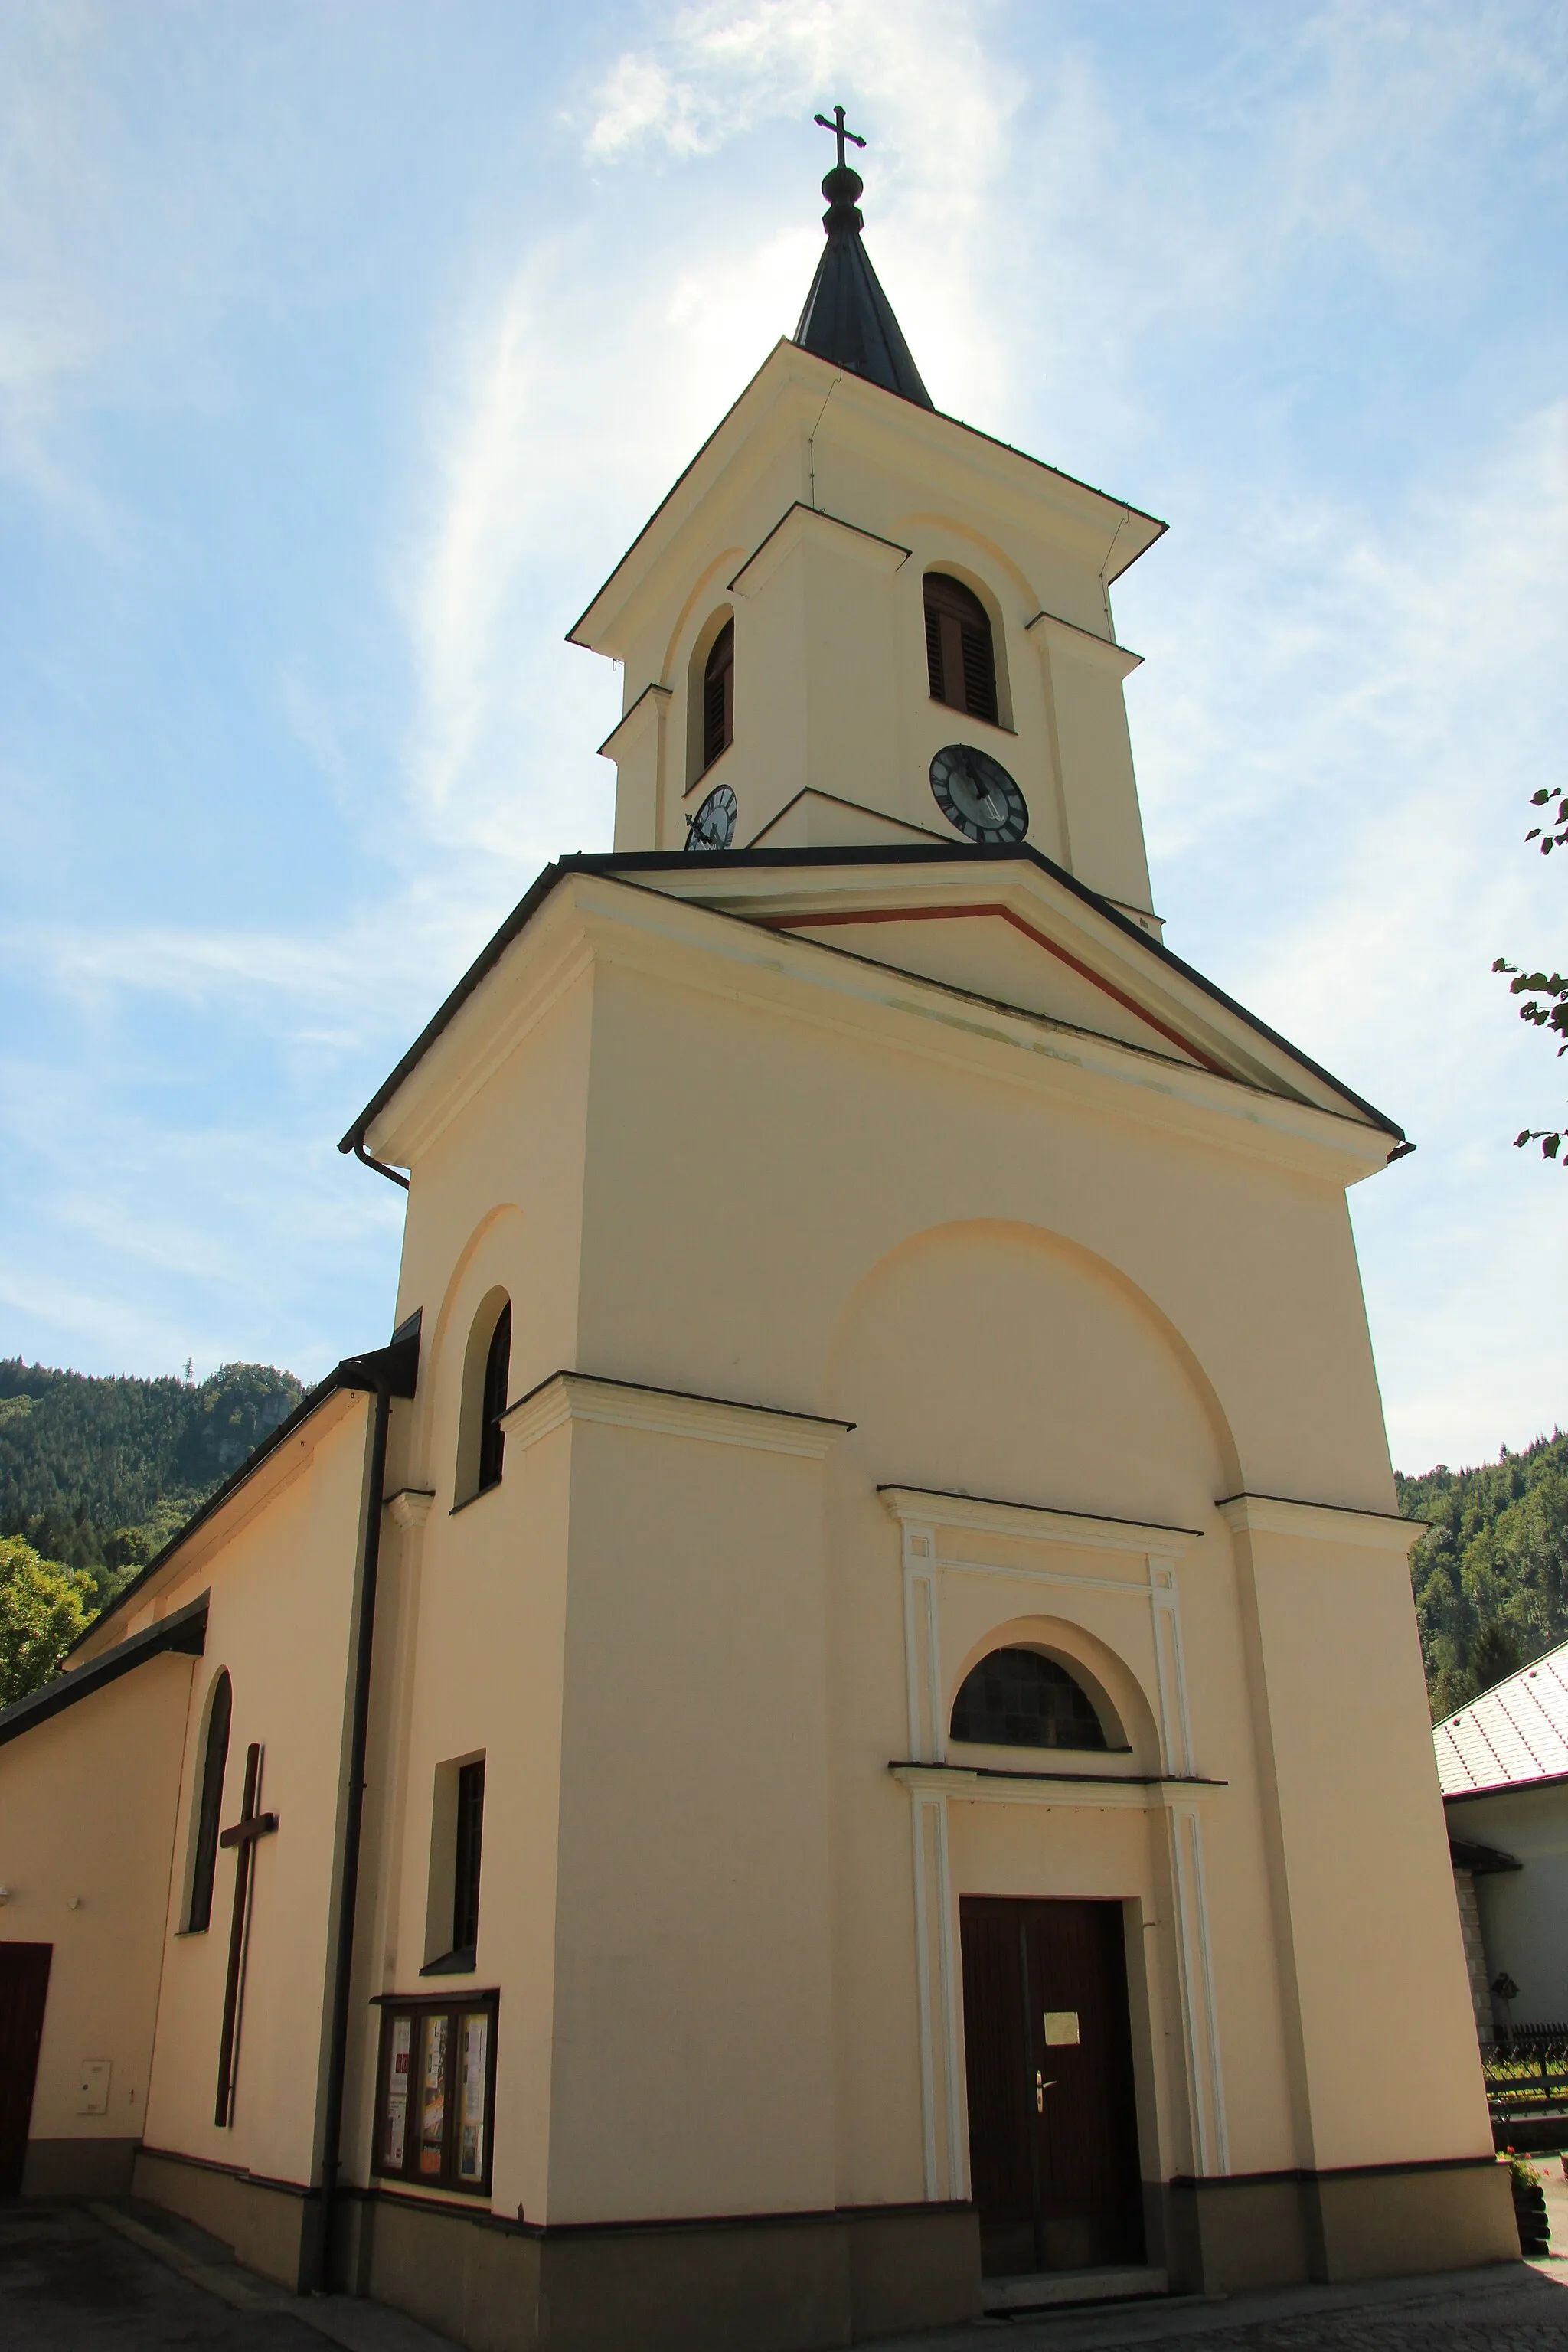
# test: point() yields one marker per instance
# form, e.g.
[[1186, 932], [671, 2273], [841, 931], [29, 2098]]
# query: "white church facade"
[[834, 1731]]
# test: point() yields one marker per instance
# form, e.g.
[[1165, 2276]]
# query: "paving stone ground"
[[68, 2284], [72, 2280]]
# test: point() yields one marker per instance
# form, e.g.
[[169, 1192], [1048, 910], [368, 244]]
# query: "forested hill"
[[1492, 1578], [98, 1473]]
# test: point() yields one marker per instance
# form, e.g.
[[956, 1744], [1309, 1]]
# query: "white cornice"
[[951, 458], [632, 723], [1275, 1514], [651, 930], [1078, 1790], [668, 1413], [1083, 644], [1152, 988], [919, 1507], [806, 979], [410, 1507], [800, 521], [536, 969]]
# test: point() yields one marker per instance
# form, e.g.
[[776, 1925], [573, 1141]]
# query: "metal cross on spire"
[[836, 127]]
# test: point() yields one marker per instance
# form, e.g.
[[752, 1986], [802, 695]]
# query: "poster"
[[433, 2095], [471, 2141], [393, 2139]]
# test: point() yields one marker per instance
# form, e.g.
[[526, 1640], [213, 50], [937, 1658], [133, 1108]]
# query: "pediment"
[[988, 945], [1011, 930], [989, 951]]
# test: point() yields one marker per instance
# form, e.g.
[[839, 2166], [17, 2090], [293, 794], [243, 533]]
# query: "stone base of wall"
[[272, 2224], [803, 2283], [786, 2282], [1284, 2229], [78, 2168]]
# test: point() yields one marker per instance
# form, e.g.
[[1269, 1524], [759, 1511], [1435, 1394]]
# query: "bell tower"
[[855, 621]]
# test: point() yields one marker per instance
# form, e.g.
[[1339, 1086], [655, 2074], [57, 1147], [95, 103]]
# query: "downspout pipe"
[[387, 1373]]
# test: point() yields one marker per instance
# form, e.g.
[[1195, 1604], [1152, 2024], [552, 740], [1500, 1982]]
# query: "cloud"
[[1345, 708], [733, 67], [575, 374], [1153, 245]]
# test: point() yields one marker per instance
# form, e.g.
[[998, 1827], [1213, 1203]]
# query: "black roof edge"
[[1468, 1854], [631, 861], [183, 1632], [572, 639], [397, 1363]]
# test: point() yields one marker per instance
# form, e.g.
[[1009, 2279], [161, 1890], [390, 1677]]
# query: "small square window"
[[435, 2096]]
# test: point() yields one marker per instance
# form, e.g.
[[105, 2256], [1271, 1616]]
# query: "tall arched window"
[[482, 1401], [961, 660], [1020, 1698], [719, 696], [497, 1365], [209, 1813]]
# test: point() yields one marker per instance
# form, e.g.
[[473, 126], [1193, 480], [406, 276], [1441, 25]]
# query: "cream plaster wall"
[[470, 1618], [282, 1587], [87, 1818], [747, 1126], [1340, 1702], [1012, 1288], [694, 2061]]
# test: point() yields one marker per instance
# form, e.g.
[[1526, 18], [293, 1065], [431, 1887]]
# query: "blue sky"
[[343, 350]]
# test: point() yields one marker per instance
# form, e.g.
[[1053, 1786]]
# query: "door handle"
[[1041, 2086]]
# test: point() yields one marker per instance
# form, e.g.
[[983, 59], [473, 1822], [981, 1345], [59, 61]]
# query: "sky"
[[343, 349]]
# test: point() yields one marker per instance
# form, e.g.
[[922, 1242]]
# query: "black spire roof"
[[848, 319]]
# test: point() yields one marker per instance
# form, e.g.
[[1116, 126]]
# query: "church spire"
[[848, 319]]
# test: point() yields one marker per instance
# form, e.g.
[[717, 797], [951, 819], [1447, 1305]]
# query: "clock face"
[[975, 793], [713, 826]]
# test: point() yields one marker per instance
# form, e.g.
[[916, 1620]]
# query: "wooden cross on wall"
[[242, 1836]]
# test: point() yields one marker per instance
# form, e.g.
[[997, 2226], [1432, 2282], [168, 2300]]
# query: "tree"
[[43, 1608], [1546, 994]]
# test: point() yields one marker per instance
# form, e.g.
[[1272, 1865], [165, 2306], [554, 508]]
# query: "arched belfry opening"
[[718, 696], [961, 654]]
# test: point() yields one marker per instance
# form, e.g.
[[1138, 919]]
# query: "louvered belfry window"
[[960, 658], [719, 696]]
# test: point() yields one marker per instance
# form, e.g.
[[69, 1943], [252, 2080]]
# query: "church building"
[[831, 1736]]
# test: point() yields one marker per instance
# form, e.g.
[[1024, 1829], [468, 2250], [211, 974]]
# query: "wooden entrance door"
[[1053, 2133], [24, 1982]]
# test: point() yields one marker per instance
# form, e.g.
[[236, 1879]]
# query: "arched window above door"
[[961, 659], [1021, 1699]]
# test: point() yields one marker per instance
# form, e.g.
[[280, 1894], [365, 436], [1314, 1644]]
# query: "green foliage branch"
[[1546, 993], [43, 1608]]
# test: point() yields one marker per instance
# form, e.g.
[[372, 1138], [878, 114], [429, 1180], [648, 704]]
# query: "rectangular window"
[[465, 1872], [436, 2105]]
